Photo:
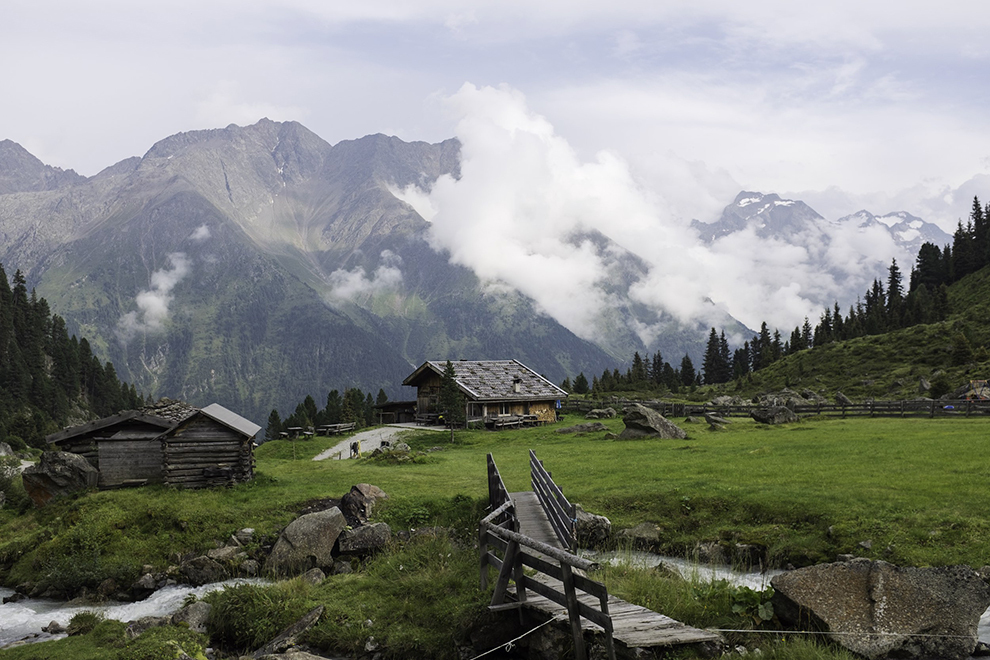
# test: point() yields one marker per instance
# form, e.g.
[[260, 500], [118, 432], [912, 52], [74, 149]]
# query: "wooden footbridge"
[[536, 529]]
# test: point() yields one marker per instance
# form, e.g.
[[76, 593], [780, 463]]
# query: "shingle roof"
[[494, 380]]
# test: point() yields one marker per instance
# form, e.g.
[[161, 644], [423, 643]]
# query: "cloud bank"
[[353, 284], [529, 212]]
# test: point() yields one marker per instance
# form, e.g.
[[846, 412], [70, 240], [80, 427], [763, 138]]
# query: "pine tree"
[[581, 384], [711, 363], [687, 371], [451, 399], [274, 428]]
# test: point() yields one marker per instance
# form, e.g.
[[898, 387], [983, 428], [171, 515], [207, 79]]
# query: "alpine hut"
[[212, 447]]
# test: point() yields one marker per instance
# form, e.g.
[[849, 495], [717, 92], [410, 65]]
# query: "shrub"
[[83, 623], [247, 616]]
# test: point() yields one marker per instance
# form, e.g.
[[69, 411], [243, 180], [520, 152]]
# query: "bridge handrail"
[[560, 511]]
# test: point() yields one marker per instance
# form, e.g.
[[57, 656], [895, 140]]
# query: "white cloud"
[[353, 284], [153, 303], [201, 233]]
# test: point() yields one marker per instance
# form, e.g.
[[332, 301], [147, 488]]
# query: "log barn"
[[497, 392], [212, 447], [189, 449]]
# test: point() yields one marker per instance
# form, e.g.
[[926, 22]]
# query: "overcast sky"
[[627, 117], [880, 100]]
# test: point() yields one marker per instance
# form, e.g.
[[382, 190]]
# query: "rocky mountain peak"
[[20, 171]]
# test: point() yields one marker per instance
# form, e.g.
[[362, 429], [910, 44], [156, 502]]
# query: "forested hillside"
[[47, 378]]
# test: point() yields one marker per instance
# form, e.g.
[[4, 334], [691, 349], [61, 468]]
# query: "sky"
[[668, 109]]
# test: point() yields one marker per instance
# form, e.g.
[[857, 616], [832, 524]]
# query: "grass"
[[805, 492]]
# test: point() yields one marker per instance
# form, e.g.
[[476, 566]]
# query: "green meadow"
[[909, 491]]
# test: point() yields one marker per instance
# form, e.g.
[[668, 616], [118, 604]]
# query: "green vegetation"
[[46, 376], [805, 492]]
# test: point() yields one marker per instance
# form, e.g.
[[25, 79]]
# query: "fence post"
[[573, 612]]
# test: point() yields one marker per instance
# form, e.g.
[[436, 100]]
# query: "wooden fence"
[[498, 535], [905, 408], [562, 514]]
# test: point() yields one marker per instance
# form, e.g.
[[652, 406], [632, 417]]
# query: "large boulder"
[[364, 540], [587, 427], [357, 505], [306, 543], [842, 400], [774, 415], [202, 570], [58, 474], [601, 413], [642, 422], [5, 449], [879, 610]]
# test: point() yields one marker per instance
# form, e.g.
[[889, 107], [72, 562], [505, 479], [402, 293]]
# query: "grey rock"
[[590, 427], [364, 540], [224, 554], [642, 422], [715, 420], [306, 543], [358, 504], [135, 628], [591, 530], [244, 536], [194, 615], [58, 474], [401, 446], [923, 385], [774, 415], [601, 413], [843, 400], [249, 568], [919, 612], [53, 628], [288, 637], [202, 570], [644, 535], [313, 576], [144, 586], [5, 449]]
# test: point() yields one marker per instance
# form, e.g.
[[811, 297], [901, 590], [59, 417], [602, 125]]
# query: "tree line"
[[886, 306], [47, 377], [351, 406]]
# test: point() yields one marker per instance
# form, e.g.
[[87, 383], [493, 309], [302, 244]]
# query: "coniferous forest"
[[48, 379]]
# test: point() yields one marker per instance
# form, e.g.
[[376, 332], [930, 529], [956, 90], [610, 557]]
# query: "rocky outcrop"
[[5, 449], [194, 615], [774, 415], [58, 474], [641, 422], [842, 400], [879, 610], [357, 505], [601, 413], [306, 543]]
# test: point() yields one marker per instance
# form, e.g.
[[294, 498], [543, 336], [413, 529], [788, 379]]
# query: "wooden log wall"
[[203, 453]]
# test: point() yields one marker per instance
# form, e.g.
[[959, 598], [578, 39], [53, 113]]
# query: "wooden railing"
[[562, 514], [900, 408], [498, 534]]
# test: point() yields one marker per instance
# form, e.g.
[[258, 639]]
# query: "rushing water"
[[27, 617]]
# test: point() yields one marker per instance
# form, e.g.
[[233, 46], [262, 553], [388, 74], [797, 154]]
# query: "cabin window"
[[504, 409]]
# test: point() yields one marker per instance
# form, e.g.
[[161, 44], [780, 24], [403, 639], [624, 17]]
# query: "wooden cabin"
[[193, 449], [213, 447], [125, 448], [495, 391]]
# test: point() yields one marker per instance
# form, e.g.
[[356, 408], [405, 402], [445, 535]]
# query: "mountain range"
[[252, 266]]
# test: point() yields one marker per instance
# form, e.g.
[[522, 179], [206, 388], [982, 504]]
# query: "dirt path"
[[368, 441]]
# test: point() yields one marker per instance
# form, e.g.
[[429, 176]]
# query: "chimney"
[[517, 385]]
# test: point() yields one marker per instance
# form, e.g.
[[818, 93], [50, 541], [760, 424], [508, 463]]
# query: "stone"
[[53, 628], [288, 637], [601, 413], [644, 536], [715, 420], [202, 570], [774, 415], [919, 612], [642, 422], [249, 568], [244, 536], [58, 474], [359, 503], [107, 588], [6, 450], [591, 530], [401, 446], [843, 400], [364, 540], [590, 427], [313, 576], [923, 385], [144, 586], [307, 542], [193, 615], [226, 553], [135, 628]]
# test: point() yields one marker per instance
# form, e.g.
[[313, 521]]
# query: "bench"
[[337, 429]]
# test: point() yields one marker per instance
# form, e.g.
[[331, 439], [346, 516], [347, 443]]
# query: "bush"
[[83, 623], [247, 616]]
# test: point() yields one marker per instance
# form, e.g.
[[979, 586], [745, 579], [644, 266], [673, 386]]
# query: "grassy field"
[[915, 489]]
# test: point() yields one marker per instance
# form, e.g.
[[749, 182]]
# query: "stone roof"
[[170, 409], [494, 380]]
